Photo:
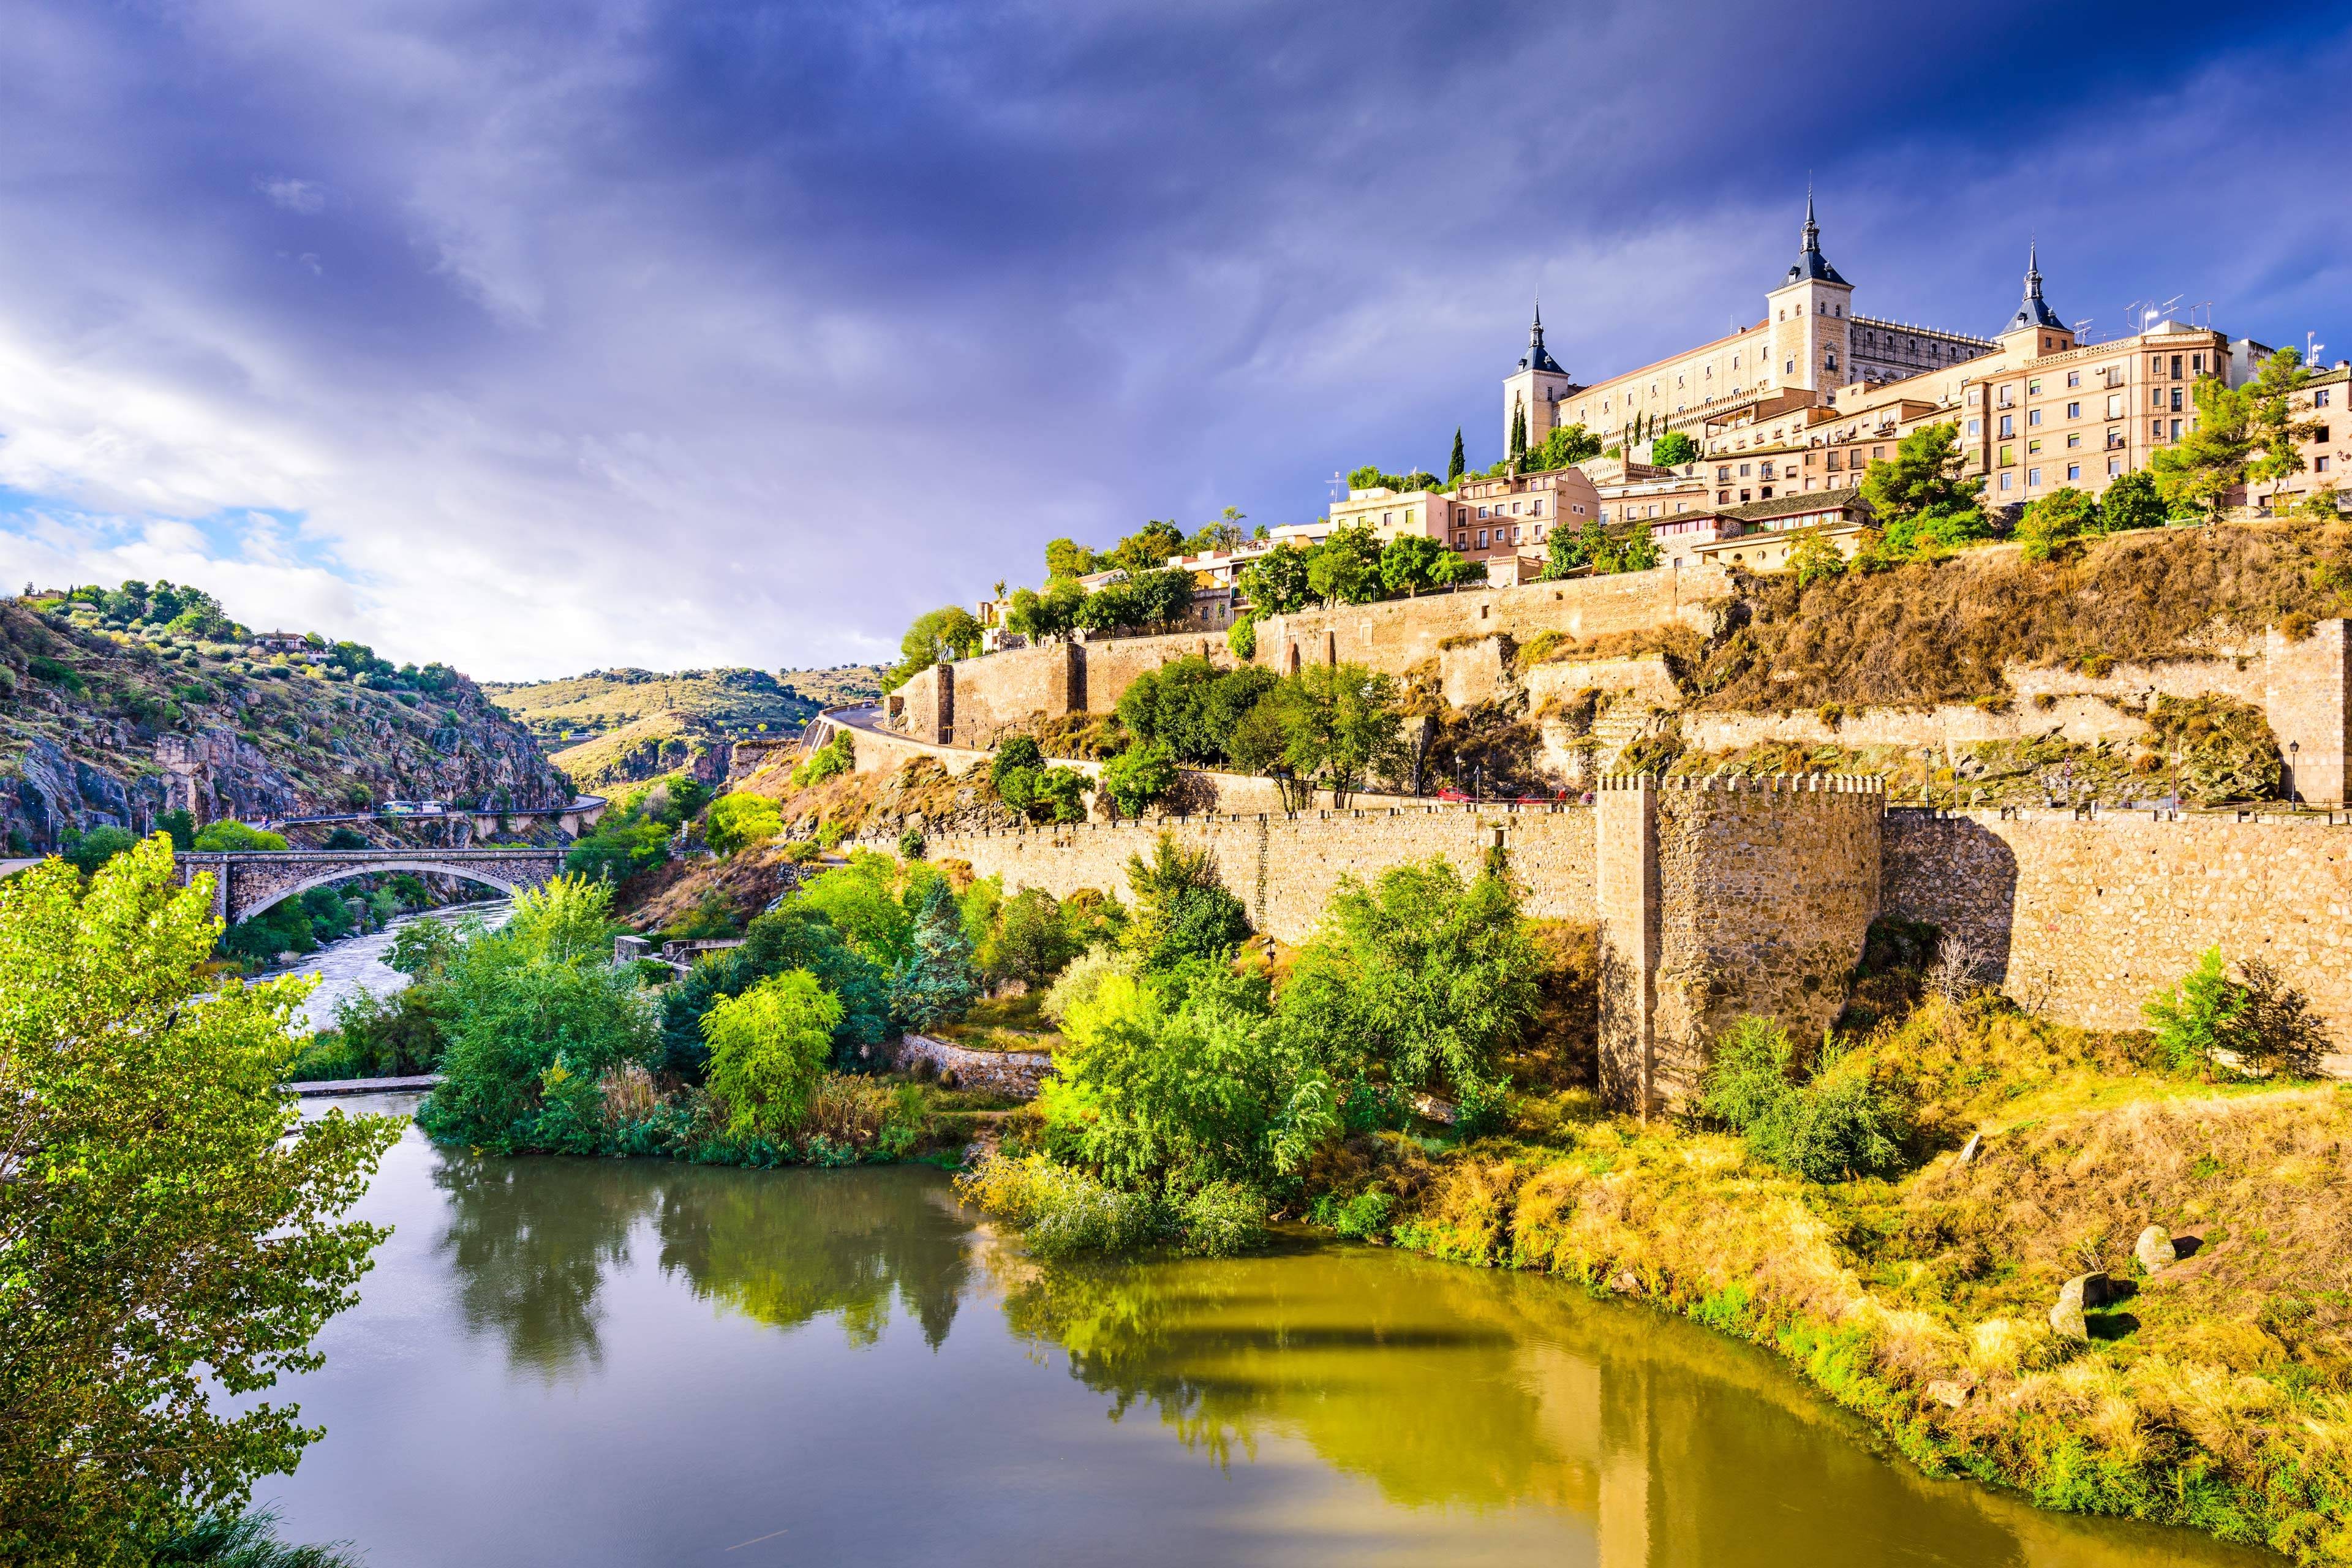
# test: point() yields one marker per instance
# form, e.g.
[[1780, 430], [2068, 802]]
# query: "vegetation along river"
[[587, 1362]]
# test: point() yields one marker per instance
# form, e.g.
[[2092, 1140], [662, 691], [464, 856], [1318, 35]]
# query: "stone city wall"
[[2088, 917], [1285, 869], [1007, 1072]]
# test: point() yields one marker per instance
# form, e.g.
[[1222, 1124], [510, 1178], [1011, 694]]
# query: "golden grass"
[[2217, 1398]]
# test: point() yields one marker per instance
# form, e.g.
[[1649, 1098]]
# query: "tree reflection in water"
[[788, 1245], [533, 1240]]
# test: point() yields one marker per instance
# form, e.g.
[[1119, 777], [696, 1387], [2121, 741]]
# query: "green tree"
[[792, 937], [2271, 424], [1191, 707], [948, 632], [2199, 471], [1032, 939], [1672, 450], [98, 845], [1837, 1125], [1414, 562], [180, 824], [1419, 980], [738, 821], [1050, 613], [2132, 502], [935, 982], [1148, 548], [236, 837], [1519, 447], [1638, 552], [1922, 480], [167, 1218], [769, 1047], [1334, 725], [1277, 582], [1813, 558], [2055, 520], [1183, 911], [1066, 558], [1571, 551], [1138, 776], [1187, 1093], [866, 901], [1457, 463], [1346, 569], [1563, 446]]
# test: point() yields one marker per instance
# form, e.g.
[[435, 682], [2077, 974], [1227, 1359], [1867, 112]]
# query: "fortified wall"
[[1718, 897], [1712, 899], [970, 701]]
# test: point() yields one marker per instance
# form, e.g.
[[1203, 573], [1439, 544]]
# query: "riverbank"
[[2210, 1395]]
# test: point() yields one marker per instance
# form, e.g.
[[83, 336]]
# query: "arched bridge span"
[[246, 883]]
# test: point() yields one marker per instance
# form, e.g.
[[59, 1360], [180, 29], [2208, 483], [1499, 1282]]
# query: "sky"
[[539, 337]]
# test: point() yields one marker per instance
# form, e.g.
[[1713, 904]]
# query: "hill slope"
[[709, 704], [88, 693]]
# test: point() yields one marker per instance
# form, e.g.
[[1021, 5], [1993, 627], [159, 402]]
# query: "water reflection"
[[804, 1243], [530, 1241], [781, 1248], [682, 1362], [1478, 1394]]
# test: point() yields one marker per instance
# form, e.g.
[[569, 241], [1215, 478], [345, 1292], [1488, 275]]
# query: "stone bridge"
[[248, 882]]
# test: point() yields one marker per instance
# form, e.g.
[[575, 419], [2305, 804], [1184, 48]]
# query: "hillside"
[[708, 704], [91, 686], [612, 727]]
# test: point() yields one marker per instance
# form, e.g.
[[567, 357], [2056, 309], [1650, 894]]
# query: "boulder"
[[2155, 1249], [2083, 1291], [1948, 1391], [1625, 1283]]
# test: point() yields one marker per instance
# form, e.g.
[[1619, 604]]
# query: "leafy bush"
[[236, 837], [1138, 776], [1222, 1219], [2259, 1023], [1837, 1125], [95, 849], [1419, 980], [1031, 941], [1364, 1216], [837, 755], [1060, 1211], [911, 843], [738, 821], [1182, 909], [1672, 450], [617, 850], [768, 1048], [1190, 707], [535, 995]]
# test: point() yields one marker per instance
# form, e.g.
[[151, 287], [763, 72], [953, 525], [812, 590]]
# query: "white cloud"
[[305, 196]]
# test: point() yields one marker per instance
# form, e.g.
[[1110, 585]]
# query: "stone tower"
[[1809, 316], [1536, 387]]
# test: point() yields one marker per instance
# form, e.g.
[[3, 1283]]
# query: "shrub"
[[912, 844], [1062, 1212], [1364, 1216], [1223, 1219], [793, 937], [1837, 1125], [98, 845], [1032, 940], [935, 981], [236, 837], [1138, 776], [768, 1048], [2260, 1022], [738, 821], [837, 755], [1182, 909]]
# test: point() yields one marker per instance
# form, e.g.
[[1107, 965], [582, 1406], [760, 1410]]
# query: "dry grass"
[[2214, 1397], [1930, 633]]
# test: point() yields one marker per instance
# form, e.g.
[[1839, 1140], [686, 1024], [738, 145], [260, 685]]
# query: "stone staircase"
[[1626, 719]]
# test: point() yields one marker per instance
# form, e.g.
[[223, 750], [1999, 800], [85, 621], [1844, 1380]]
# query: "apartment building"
[[2323, 403]]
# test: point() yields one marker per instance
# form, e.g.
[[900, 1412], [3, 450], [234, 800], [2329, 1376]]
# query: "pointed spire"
[[1813, 229], [2034, 312], [1811, 262], [1538, 357]]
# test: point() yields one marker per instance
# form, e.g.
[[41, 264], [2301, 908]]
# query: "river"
[[574, 1362], [357, 964]]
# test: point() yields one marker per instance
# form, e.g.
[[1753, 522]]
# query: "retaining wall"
[[2088, 917]]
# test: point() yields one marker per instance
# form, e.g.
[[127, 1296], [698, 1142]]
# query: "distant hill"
[[97, 684], [614, 726]]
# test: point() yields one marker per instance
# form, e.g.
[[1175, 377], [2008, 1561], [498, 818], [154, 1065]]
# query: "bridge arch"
[[481, 875]]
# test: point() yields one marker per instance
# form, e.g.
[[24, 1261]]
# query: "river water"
[[572, 1362], [357, 964]]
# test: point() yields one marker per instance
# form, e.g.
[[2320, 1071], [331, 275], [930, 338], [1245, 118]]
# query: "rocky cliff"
[[111, 722]]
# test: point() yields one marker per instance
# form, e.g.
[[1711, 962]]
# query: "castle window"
[[1792, 370], [2073, 378]]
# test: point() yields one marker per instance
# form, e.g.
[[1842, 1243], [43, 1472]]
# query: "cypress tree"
[[1518, 432], [1454, 465]]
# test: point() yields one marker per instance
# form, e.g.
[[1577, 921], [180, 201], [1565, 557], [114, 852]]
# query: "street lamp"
[[2294, 778]]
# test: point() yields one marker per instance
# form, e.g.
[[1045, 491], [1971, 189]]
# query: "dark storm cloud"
[[548, 335]]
